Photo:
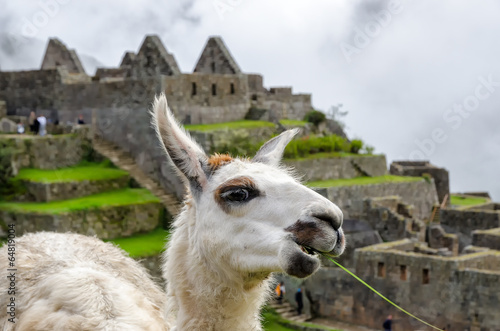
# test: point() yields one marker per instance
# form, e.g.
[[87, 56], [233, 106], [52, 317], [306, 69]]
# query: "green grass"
[[72, 174], [293, 122], [102, 200], [363, 181], [316, 326], [143, 245], [326, 155], [467, 201], [270, 322], [244, 124]]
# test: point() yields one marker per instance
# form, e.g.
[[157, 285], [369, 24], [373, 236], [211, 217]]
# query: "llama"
[[242, 220]]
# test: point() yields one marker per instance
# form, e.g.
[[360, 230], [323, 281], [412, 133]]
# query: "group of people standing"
[[37, 124], [280, 292]]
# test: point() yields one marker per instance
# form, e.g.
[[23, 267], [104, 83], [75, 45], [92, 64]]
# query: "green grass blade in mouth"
[[379, 294]]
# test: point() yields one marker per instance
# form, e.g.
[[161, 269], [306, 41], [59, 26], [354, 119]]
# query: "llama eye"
[[238, 195]]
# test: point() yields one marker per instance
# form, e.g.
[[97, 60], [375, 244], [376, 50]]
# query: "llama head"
[[251, 216]]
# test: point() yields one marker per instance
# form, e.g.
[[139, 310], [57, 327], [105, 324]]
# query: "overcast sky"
[[420, 79]]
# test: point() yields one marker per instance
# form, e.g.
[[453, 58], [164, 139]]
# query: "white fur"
[[218, 261], [74, 282]]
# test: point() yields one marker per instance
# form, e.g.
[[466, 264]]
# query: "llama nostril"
[[332, 219]]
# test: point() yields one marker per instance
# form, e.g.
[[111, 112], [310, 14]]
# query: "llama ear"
[[272, 151], [186, 154]]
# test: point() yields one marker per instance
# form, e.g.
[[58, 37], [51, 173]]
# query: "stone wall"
[[3, 109], [334, 294], [438, 238], [57, 54], [207, 98], [294, 106], [216, 59], [340, 167], [330, 293], [153, 59], [217, 141], [7, 125], [464, 221], [437, 289], [393, 222], [422, 195], [24, 91], [105, 223], [130, 129], [44, 192], [419, 168], [216, 92], [487, 238], [48, 152]]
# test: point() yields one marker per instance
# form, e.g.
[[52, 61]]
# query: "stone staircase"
[[435, 214], [124, 161], [289, 312], [255, 114]]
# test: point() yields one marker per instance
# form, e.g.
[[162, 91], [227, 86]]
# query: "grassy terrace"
[[272, 322], [102, 200], [245, 124], [363, 181], [31, 136], [93, 172], [328, 155], [143, 245], [457, 200], [293, 122]]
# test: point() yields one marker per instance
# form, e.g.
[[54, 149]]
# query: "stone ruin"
[[394, 243], [216, 91]]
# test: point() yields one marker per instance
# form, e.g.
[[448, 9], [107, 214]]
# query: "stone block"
[[422, 195], [340, 167], [105, 223], [7, 126], [45, 192]]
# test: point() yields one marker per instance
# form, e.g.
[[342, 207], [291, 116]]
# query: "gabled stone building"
[[216, 91]]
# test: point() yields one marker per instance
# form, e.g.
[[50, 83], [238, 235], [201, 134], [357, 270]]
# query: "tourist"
[[32, 122], [298, 300], [43, 123], [388, 324], [20, 127], [280, 291], [80, 120]]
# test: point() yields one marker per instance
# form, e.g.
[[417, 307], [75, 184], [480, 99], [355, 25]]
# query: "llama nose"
[[332, 217]]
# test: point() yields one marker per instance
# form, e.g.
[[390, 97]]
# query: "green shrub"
[[312, 145], [239, 146], [315, 117], [367, 149], [356, 146], [297, 148]]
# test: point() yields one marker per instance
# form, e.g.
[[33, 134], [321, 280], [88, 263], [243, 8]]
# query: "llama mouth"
[[309, 250]]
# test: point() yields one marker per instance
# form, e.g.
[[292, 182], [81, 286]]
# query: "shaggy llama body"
[[73, 282], [242, 220]]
